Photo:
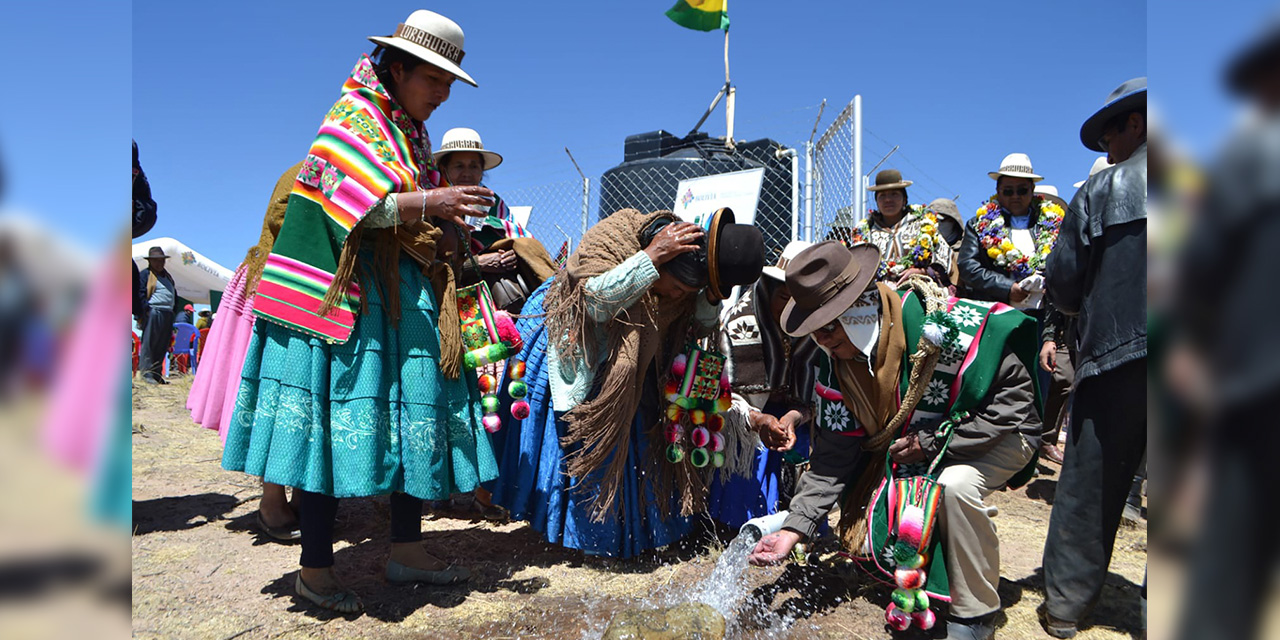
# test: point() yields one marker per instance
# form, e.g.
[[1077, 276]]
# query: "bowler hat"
[[824, 281], [1127, 97], [156, 252], [735, 253], [889, 179]]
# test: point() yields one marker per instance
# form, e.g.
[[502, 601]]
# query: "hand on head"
[[674, 239]]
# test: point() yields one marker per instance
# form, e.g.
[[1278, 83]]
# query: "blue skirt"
[[740, 498], [367, 417], [534, 486]]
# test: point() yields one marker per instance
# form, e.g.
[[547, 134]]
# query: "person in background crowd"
[[158, 313], [204, 319], [144, 217], [1223, 310], [185, 316], [951, 226], [1097, 273], [771, 376], [907, 236]]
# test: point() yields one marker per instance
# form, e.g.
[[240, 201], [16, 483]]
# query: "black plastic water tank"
[[655, 163]]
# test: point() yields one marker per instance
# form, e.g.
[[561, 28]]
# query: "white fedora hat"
[[779, 271], [464, 139], [432, 37], [1016, 165], [1046, 190], [1098, 165]]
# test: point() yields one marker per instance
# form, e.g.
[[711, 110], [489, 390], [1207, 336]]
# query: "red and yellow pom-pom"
[[517, 369], [723, 403], [698, 416], [487, 383], [672, 390], [674, 413], [715, 422]]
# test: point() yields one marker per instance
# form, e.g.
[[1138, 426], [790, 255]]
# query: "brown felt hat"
[[156, 252], [825, 280], [889, 179]]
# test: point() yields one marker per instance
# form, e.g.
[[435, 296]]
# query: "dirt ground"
[[201, 569]]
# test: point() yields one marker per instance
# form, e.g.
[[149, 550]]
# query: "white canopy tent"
[[196, 276]]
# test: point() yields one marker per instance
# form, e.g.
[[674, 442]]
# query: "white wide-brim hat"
[[431, 37], [779, 271], [464, 139], [1016, 165], [1046, 190], [1098, 165]]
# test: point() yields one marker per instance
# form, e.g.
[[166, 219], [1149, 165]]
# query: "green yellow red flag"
[[702, 15]]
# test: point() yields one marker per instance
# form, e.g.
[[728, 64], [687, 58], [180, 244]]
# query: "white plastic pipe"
[[764, 525]]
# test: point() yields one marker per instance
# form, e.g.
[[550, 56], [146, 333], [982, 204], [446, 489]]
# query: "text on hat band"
[[430, 41]]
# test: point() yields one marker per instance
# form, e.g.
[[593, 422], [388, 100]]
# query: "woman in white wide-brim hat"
[[1009, 237], [464, 160], [353, 384], [908, 236]]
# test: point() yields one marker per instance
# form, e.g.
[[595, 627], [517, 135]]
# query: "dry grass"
[[202, 571]]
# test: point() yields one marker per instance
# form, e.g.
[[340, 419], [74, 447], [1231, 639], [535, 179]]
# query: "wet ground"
[[201, 569]]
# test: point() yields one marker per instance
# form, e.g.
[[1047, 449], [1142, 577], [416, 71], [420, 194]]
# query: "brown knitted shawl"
[[649, 331]]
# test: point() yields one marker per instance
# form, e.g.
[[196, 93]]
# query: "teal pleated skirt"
[[367, 417]]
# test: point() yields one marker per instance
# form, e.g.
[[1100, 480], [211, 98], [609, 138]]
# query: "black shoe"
[[1059, 628], [980, 628]]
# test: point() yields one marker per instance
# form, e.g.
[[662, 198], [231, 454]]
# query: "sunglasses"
[[1009, 191]]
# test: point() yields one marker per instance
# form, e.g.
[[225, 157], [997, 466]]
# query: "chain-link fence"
[[835, 185], [793, 203]]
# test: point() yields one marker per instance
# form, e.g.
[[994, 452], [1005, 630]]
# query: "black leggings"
[[319, 512]]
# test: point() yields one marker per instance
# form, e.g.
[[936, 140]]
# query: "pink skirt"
[[213, 392]]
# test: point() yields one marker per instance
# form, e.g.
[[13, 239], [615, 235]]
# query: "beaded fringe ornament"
[[490, 336], [698, 391]]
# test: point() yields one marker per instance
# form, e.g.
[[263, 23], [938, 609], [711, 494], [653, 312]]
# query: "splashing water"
[[727, 584]]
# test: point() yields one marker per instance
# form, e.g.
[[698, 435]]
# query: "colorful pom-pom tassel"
[[671, 391], [674, 413], [487, 383], [717, 459], [675, 432], [723, 403], [686, 402], [897, 618], [717, 442], [698, 417], [924, 619], [922, 600], [519, 409], [903, 599], [675, 453], [491, 422], [679, 365], [699, 457], [489, 403], [517, 369], [715, 422], [909, 578], [517, 389], [724, 381], [700, 437]]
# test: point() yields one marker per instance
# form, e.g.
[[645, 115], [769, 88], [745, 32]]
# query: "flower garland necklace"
[[919, 249], [993, 234]]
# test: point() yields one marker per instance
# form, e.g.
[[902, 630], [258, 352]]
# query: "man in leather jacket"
[[1097, 273]]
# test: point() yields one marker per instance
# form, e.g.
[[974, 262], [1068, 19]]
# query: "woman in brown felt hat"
[[907, 236], [353, 384]]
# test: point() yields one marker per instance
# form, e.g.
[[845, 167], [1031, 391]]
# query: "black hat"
[[1260, 56], [735, 253], [1127, 97], [155, 252]]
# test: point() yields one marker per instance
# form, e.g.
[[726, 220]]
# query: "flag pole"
[[732, 92]]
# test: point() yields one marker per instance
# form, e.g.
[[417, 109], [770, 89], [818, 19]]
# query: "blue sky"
[[223, 96]]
